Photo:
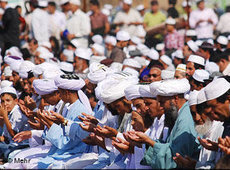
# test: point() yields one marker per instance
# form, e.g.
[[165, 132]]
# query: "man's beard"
[[171, 116], [203, 129]]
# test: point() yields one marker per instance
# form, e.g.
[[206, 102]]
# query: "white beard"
[[203, 129]]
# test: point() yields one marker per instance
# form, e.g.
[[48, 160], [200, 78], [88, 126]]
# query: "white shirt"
[[79, 25], [224, 23], [226, 71], [204, 29], [40, 25], [57, 23], [127, 18], [207, 158]]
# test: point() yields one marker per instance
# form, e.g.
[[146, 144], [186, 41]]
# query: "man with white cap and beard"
[[111, 92], [216, 106], [49, 92], [182, 138], [205, 126], [66, 145]]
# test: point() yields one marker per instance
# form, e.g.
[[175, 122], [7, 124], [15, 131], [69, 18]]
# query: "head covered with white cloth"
[[113, 87], [170, 87], [74, 83]]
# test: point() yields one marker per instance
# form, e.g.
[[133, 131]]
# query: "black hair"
[[200, 107], [94, 2], [199, 83], [26, 54], [154, 2], [220, 55], [34, 40], [228, 8], [224, 97], [52, 3], [172, 2], [18, 6], [14, 96], [198, 66], [30, 74]]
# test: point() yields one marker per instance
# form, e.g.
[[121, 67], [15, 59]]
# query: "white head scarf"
[[75, 83]]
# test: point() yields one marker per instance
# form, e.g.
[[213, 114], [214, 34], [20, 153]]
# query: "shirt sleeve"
[[192, 20], [57, 137], [214, 17], [85, 26]]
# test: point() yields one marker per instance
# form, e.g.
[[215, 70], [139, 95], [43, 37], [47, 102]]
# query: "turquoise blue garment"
[[182, 139], [66, 141]]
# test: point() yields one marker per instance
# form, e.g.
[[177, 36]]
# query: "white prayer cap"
[[9, 90], [178, 54], [170, 87], [196, 59], [216, 88], [181, 67], [131, 71], [193, 97], [222, 40], [97, 39], [132, 48], [112, 88], [140, 60], [24, 68], [185, 4], [143, 49], [129, 2], [191, 33], [82, 53], [131, 62], [62, 2], [229, 37], [97, 72], [96, 59], [46, 55], [192, 45], [201, 97], [145, 92], [98, 48], [123, 36], [15, 65], [46, 44], [51, 74], [69, 82], [68, 54], [108, 6], [198, 43], [212, 67], [160, 47], [6, 83], [201, 75], [132, 92], [75, 2], [66, 67], [136, 40], [105, 11], [116, 66], [75, 43], [42, 3], [7, 71], [153, 54], [42, 49], [167, 74], [44, 86], [170, 21], [14, 51], [166, 59], [140, 7], [111, 40], [210, 41]]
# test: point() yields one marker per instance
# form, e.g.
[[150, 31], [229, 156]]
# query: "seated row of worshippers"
[[164, 124], [146, 111]]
